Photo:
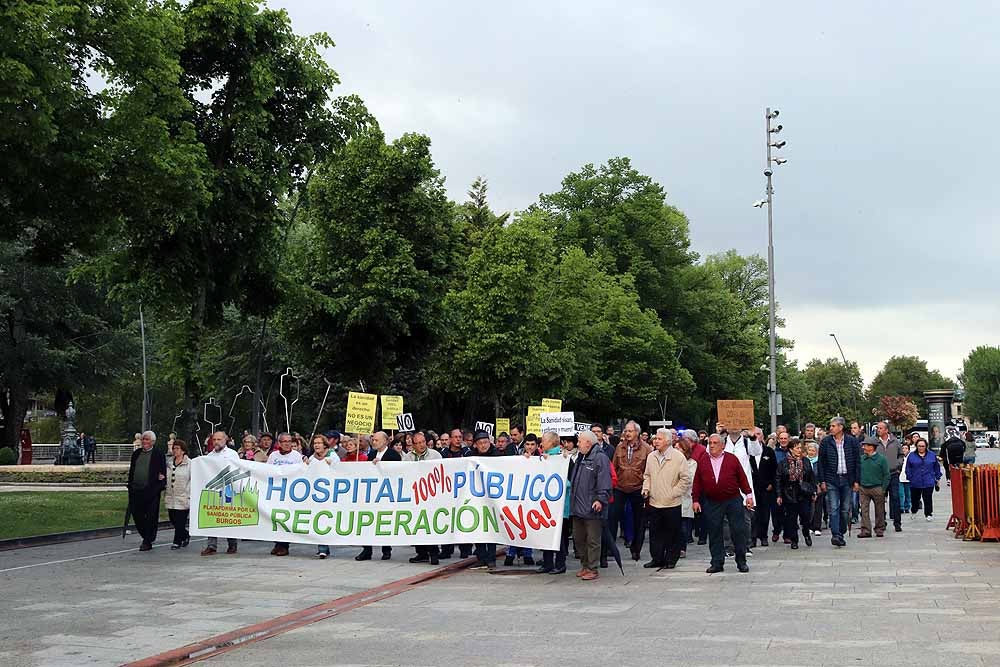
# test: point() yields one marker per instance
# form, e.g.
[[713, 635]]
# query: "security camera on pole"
[[773, 400]]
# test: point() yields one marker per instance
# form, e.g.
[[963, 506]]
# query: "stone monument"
[[70, 452]]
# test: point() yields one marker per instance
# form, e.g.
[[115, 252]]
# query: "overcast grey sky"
[[884, 213]]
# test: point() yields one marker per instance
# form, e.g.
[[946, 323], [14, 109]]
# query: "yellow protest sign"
[[503, 426], [391, 406], [360, 413], [552, 404], [735, 415], [533, 424]]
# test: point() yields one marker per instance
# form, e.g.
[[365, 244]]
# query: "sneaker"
[[420, 559], [749, 552], [702, 540], [930, 518], [174, 546], [684, 554], [543, 570], [817, 532], [479, 566], [558, 570], [491, 567], [321, 555]]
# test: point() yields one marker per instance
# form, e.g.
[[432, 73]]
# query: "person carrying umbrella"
[[590, 489]]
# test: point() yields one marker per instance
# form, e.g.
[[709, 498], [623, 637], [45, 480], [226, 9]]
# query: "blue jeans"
[[904, 496], [514, 552], [838, 497]]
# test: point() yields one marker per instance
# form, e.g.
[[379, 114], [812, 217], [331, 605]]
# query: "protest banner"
[[392, 406], [531, 422], [736, 414], [506, 500], [552, 404], [580, 427], [485, 426], [503, 426], [360, 413], [560, 422]]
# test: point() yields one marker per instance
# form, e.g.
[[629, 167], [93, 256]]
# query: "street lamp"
[[772, 142], [854, 401]]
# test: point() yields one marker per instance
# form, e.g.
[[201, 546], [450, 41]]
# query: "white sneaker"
[[817, 532], [321, 555], [930, 518]]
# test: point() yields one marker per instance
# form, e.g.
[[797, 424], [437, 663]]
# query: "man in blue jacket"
[[839, 476]]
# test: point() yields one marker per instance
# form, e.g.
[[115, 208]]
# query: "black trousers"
[[431, 551], [179, 519], [732, 510], [557, 559], [818, 511], [895, 512], [766, 504], [924, 497], [633, 498], [145, 506], [486, 553], [464, 550], [797, 514], [91, 456], [664, 534], [777, 514]]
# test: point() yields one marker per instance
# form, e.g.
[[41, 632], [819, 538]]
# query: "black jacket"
[[766, 471], [390, 455], [794, 492], [157, 467], [952, 452], [447, 453]]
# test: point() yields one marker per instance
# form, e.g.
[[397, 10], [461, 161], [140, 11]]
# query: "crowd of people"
[[733, 489]]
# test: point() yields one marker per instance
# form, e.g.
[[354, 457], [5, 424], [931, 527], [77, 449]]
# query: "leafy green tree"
[[239, 113], [906, 376], [836, 390], [370, 270], [477, 215], [620, 217], [981, 379]]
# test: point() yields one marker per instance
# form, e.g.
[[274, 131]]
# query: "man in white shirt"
[[220, 450], [284, 456]]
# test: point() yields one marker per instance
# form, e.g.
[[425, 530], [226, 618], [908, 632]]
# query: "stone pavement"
[[916, 598]]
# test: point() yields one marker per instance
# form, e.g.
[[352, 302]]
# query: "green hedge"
[[108, 477]]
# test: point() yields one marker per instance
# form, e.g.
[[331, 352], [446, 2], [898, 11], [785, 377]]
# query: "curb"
[[229, 641], [60, 538]]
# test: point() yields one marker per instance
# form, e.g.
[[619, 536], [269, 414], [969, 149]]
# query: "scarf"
[[813, 459], [794, 469]]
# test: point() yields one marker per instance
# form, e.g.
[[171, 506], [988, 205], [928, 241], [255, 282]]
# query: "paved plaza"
[[916, 598]]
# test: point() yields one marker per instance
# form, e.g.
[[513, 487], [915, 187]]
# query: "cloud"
[[884, 211]]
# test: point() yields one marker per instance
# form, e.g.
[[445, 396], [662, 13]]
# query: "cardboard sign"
[[560, 422], [580, 427], [404, 422], [485, 426], [360, 413], [392, 406], [531, 423], [736, 414], [552, 404], [503, 426]]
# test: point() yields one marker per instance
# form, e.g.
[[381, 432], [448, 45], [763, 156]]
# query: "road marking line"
[[70, 560]]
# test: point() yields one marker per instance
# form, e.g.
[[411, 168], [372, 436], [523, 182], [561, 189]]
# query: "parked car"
[[981, 441]]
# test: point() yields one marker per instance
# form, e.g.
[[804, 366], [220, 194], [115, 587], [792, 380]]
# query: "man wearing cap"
[[874, 483], [486, 553]]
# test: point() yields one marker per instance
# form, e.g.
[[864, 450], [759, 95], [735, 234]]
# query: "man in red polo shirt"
[[718, 481]]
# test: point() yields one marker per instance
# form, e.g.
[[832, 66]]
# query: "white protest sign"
[[485, 426], [404, 422], [581, 426], [509, 500], [560, 422]]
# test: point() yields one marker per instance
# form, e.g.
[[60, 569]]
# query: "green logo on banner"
[[227, 500]]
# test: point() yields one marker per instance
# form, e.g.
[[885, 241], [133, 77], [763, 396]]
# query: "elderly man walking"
[[665, 483], [839, 476], [874, 483], [893, 452], [630, 465], [147, 475], [221, 450], [721, 484], [590, 487]]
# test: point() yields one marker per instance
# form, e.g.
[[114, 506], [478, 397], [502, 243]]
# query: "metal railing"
[[112, 453]]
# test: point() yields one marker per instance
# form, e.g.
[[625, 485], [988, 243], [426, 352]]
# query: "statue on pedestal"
[[70, 451]]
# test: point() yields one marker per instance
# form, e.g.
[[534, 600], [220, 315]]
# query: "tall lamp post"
[[854, 401], [772, 142]]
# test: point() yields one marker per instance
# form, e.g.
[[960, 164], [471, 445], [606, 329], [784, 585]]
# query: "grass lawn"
[[27, 513]]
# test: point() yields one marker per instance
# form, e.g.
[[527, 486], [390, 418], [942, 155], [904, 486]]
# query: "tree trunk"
[[192, 391], [14, 406]]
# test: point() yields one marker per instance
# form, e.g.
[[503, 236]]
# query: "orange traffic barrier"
[[957, 520], [972, 529], [989, 476]]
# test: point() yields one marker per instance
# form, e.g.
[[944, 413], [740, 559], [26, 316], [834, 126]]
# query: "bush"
[[7, 457]]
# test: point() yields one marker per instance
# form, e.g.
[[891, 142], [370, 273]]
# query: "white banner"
[[505, 500]]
